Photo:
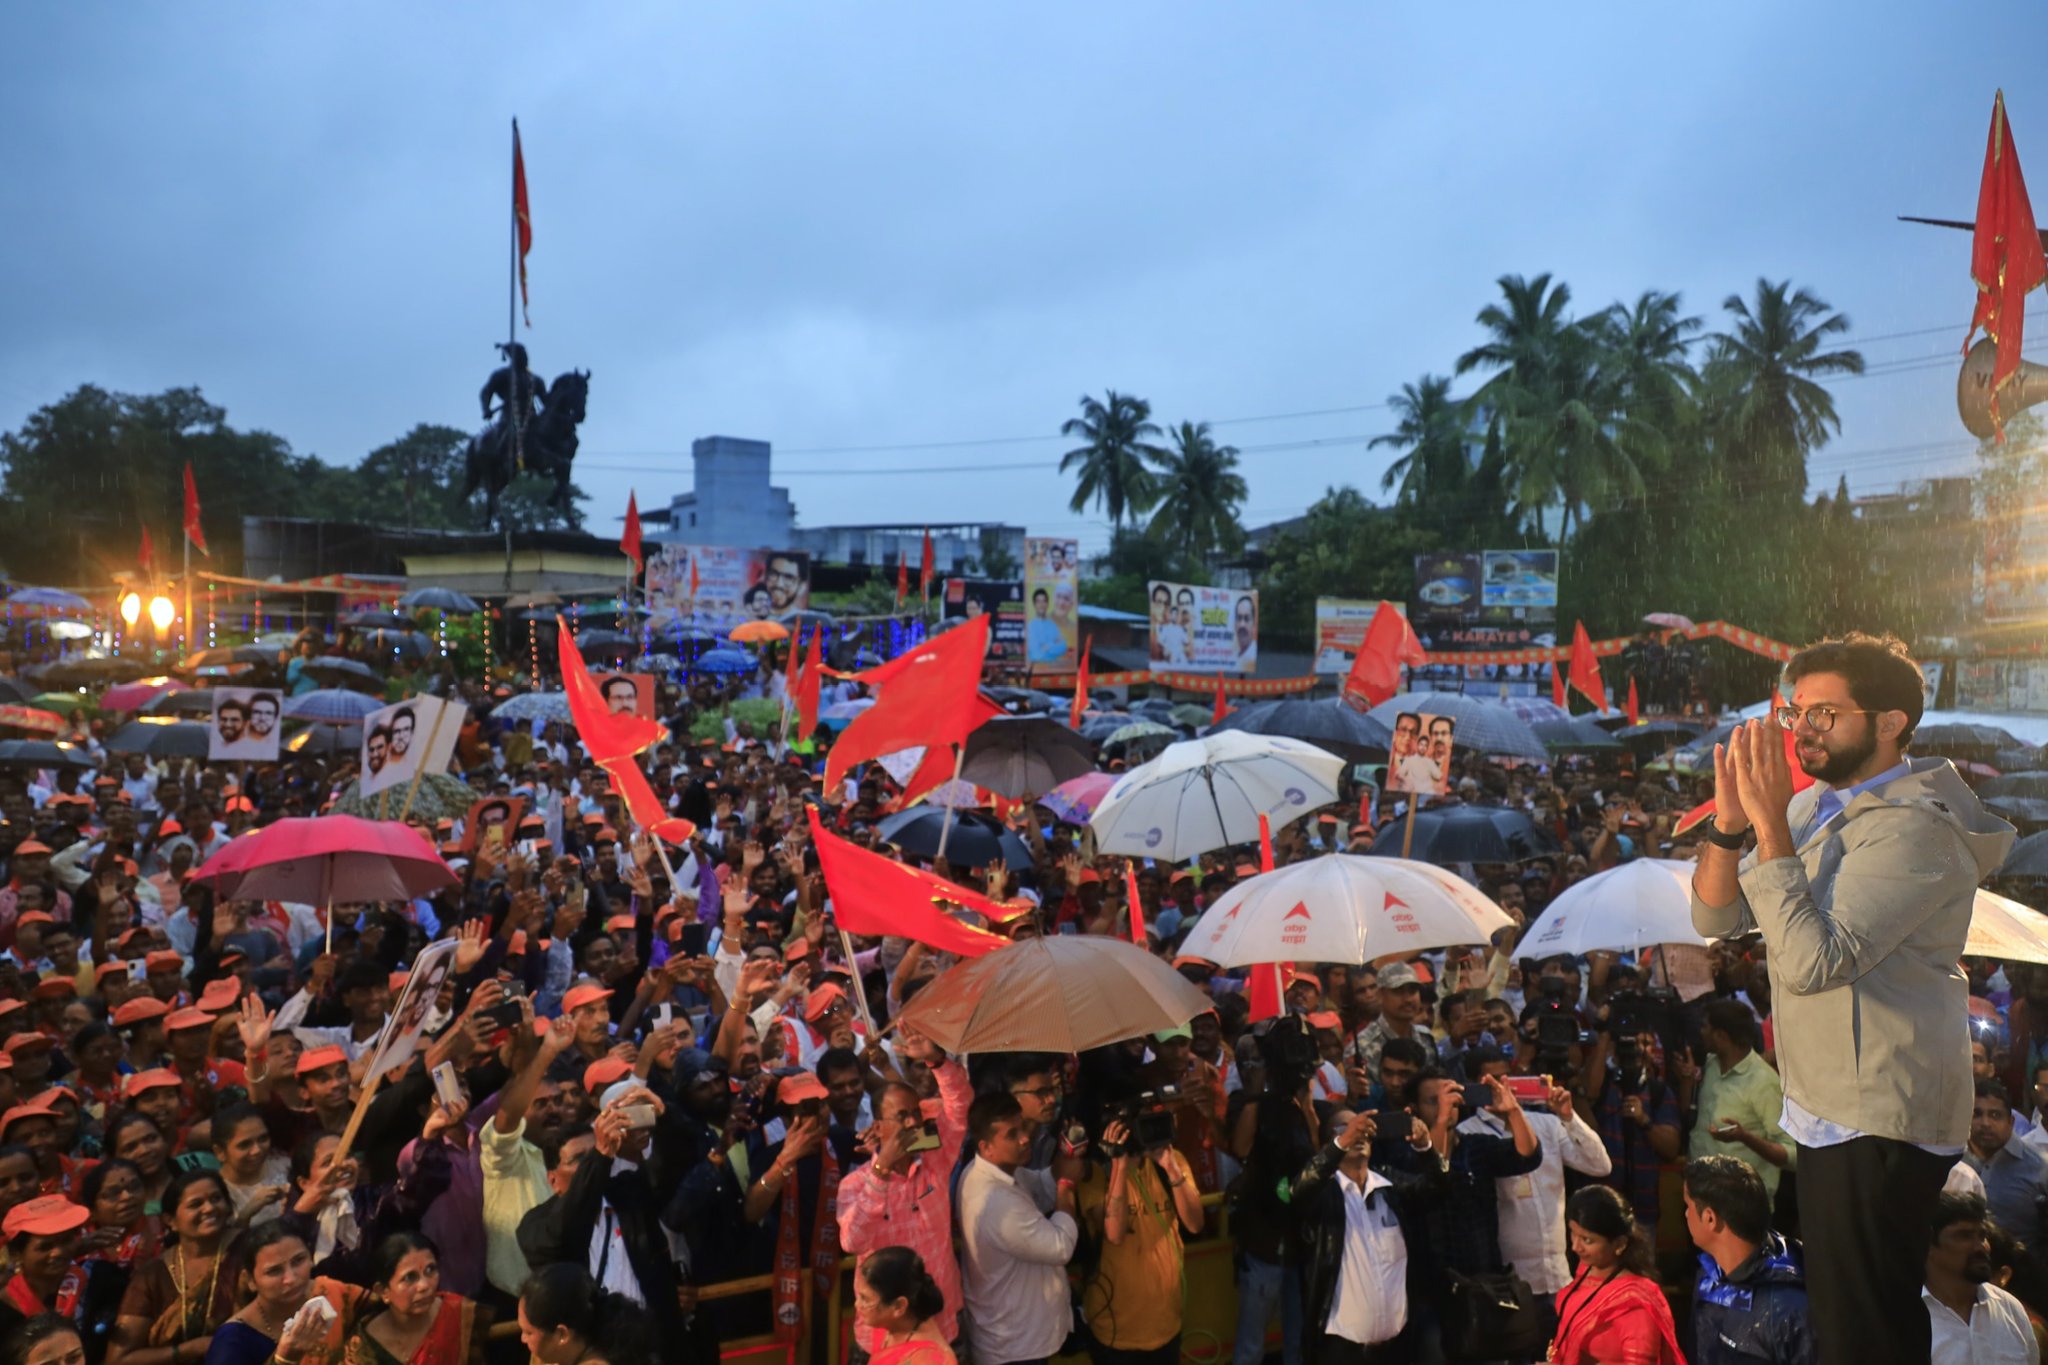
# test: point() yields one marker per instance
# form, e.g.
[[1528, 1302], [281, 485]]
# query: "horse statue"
[[547, 444]]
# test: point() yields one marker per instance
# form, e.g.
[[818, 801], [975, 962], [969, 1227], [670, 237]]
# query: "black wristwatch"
[[1711, 832]]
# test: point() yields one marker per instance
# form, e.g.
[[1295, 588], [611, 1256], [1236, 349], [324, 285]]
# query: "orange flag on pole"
[[629, 541], [145, 557], [924, 566], [2006, 259], [1634, 716], [902, 580], [522, 216], [1557, 692], [872, 894], [1222, 706], [1375, 673], [608, 735], [696, 584], [193, 532], [933, 701], [1137, 905], [1080, 705], [1585, 676], [643, 805]]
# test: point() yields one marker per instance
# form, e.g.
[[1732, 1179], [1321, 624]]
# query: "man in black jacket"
[[1750, 1301], [1354, 1254]]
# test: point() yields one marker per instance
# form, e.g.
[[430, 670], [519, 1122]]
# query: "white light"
[[162, 611], [131, 608]]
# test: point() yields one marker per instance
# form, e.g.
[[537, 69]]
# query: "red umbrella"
[[327, 859], [134, 696]]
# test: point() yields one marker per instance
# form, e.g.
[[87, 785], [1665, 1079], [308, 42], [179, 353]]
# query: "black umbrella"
[[346, 672], [975, 840], [399, 644], [325, 739], [381, 620], [41, 753], [13, 691], [1655, 736], [2023, 759], [2029, 858], [2032, 784], [177, 739], [193, 701], [85, 672], [1962, 740], [1579, 735], [223, 655], [2028, 813], [1327, 724], [439, 599], [1467, 834], [1020, 756], [608, 644], [1021, 700]]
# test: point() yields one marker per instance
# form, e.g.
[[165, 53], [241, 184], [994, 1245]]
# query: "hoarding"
[[1052, 600], [1198, 629], [719, 586], [1001, 600]]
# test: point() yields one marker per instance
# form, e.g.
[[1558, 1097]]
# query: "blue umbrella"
[[725, 661], [528, 706], [54, 598], [439, 599], [332, 706]]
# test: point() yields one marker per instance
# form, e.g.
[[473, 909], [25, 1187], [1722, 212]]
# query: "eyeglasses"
[[1819, 719], [1045, 1094]]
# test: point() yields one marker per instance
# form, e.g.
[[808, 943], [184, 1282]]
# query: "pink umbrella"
[[134, 696], [327, 859], [1076, 799], [1670, 620]]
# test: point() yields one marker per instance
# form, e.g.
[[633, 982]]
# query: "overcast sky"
[[896, 237]]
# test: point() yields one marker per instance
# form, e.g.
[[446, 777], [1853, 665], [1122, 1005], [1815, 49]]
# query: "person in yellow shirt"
[[1136, 1210]]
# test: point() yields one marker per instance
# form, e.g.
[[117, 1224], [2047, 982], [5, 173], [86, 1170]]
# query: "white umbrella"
[[1208, 793], [1640, 904], [2006, 929], [1343, 908]]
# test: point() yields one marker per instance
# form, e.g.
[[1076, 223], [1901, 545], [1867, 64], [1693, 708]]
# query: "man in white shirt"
[[1532, 1224], [1013, 1256], [1973, 1321]]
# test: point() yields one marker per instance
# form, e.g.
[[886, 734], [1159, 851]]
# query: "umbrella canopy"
[[1021, 700], [2023, 759], [16, 691], [1533, 709], [1132, 731], [2028, 813], [331, 706], [33, 719], [609, 644], [327, 860], [193, 701], [325, 739], [1670, 620], [1637, 905], [41, 753], [2015, 784], [976, 840], [1467, 834], [2005, 929], [758, 632], [1076, 799], [1486, 727], [1100, 725], [1577, 735], [160, 738], [441, 796], [51, 599], [1327, 724], [86, 672], [1024, 755], [64, 703], [530, 706], [228, 654], [136, 695], [334, 669], [1343, 908], [1208, 793], [381, 620], [955, 795], [725, 661], [1962, 740], [439, 599], [1189, 716], [1064, 994]]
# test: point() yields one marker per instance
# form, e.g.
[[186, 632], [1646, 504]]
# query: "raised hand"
[[469, 946], [254, 1025]]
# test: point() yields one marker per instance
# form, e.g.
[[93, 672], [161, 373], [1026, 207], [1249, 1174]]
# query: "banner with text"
[[1341, 624], [719, 586], [1052, 601], [1204, 630], [1001, 600]]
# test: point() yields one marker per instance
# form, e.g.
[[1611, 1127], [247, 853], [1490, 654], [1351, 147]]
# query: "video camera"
[[1557, 1026], [1289, 1051], [1632, 1013], [1149, 1116]]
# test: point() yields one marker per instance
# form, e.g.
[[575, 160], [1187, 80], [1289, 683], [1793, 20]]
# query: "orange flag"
[[1137, 908], [1222, 707], [1585, 677], [2006, 259], [934, 701], [1634, 718], [193, 532], [876, 895], [630, 540], [1557, 692], [902, 580], [643, 805], [696, 583], [1080, 705], [1262, 991], [1376, 669], [1265, 842], [608, 735], [145, 557], [924, 566], [807, 685], [522, 216]]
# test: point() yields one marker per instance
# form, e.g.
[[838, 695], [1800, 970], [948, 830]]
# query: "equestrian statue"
[[530, 424]]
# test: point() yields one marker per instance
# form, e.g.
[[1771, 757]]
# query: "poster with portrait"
[[491, 820], [1001, 600], [626, 693], [1447, 588], [1419, 760], [412, 736], [245, 724], [1341, 625], [1203, 630], [409, 1014], [1052, 603], [719, 586]]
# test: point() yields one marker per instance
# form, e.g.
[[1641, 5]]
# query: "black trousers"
[[1328, 1349], [1169, 1354], [1865, 1206]]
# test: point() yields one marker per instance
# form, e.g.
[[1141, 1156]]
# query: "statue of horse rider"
[[514, 387]]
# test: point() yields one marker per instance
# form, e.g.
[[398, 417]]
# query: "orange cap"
[[47, 1215], [159, 1079], [800, 1087], [189, 1017], [139, 1010], [220, 996], [316, 1058], [588, 994], [605, 1071], [821, 1000]]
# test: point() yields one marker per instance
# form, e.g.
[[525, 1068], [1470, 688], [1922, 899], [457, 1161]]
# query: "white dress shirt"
[[1014, 1263], [1532, 1225], [1997, 1333], [1371, 1302]]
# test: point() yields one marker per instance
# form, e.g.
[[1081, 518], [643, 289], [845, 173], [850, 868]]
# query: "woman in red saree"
[[895, 1295], [1612, 1313], [565, 1319], [418, 1324]]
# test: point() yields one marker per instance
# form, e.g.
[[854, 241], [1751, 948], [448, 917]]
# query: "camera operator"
[[1135, 1203], [1274, 1136], [1198, 1105], [1635, 1109]]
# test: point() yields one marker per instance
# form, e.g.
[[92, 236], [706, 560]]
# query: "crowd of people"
[[659, 1110]]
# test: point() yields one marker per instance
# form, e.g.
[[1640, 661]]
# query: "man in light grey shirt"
[[1013, 1258]]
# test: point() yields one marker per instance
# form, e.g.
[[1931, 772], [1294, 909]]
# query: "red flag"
[[145, 557], [608, 735], [643, 805], [1221, 708], [1557, 692], [2006, 259], [193, 532], [1265, 842], [630, 541], [1634, 718], [1080, 705], [696, 583], [807, 684], [933, 701], [876, 895], [924, 566], [1137, 909], [1585, 678], [1263, 992], [1376, 670], [902, 580], [521, 215], [1801, 780]]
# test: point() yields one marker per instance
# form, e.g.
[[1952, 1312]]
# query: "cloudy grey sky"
[[897, 237]]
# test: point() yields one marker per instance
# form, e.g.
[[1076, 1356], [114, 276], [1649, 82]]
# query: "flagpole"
[[512, 283]]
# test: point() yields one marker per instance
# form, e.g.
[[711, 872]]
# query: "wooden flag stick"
[[420, 770]]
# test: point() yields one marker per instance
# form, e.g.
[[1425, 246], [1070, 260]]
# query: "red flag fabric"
[[807, 685], [1263, 992], [1557, 692], [1265, 842], [522, 216], [902, 580], [876, 895], [1080, 706], [1801, 780], [1221, 708], [696, 583], [934, 701], [145, 556], [643, 805], [924, 566], [1376, 669], [2006, 259], [1585, 675], [630, 540], [1634, 714], [608, 735], [1137, 907], [193, 532]]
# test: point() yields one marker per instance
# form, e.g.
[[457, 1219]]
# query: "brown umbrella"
[[1061, 994]]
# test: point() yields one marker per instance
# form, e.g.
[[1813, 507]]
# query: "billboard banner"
[[720, 586], [1204, 630], [1447, 587], [1052, 599], [1003, 600], [1503, 679], [1341, 624], [1520, 578], [244, 724]]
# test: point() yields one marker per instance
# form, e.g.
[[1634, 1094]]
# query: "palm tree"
[[1569, 440], [1433, 428], [1200, 493], [1649, 345], [1522, 332], [1770, 364], [1116, 461]]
